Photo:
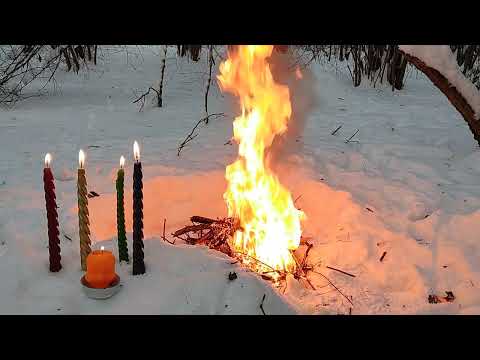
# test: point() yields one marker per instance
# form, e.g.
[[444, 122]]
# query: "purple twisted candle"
[[52, 217], [138, 255]]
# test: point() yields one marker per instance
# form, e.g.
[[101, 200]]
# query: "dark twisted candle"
[[121, 237], [52, 217], [138, 255]]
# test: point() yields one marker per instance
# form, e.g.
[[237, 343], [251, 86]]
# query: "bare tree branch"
[[191, 135]]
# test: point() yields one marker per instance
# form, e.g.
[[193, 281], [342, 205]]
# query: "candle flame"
[[122, 162], [81, 159], [298, 73], [48, 159], [136, 151], [102, 248]]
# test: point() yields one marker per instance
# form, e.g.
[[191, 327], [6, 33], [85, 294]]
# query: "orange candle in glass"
[[100, 269]]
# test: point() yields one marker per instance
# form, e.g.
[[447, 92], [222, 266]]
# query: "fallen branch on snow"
[[335, 131], [351, 137], [340, 271]]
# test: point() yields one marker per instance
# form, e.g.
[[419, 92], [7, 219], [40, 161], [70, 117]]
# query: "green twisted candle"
[[83, 222], [122, 238]]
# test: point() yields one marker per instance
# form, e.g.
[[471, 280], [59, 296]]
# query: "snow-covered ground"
[[415, 166]]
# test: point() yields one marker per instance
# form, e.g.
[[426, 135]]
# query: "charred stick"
[[202, 220], [383, 256]]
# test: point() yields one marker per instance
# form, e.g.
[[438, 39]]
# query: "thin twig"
[[351, 137], [261, 262], [294, 201], [261, 304], [164, 237], [335, 131], [309, 283], [304, 261], [326, 278], [341, 271]]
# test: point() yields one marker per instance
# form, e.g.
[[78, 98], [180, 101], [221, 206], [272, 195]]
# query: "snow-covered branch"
[[440, 66]]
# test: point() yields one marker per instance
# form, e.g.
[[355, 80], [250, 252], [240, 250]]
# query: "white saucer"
[[101, 294]]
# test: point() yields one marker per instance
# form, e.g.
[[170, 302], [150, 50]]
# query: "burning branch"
[[210, 232], [215, 233]]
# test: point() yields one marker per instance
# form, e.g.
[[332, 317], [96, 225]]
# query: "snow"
[[415, 166], [442, 59]]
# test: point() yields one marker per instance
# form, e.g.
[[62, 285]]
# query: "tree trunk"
[[453, 95], [210, 64], [160, 88]]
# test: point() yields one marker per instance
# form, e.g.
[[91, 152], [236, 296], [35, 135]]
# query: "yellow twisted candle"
[[83, 222]]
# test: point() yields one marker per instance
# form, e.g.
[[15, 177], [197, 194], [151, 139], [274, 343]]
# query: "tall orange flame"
[[270, 223]]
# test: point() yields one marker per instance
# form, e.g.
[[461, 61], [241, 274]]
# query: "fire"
[[136, 151], [270, 223], [81, 159], [48, 160]]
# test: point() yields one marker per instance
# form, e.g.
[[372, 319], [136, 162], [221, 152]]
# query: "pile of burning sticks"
[[210, 232], [216, 233]]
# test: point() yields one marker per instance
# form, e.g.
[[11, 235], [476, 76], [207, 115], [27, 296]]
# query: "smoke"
[[303, 98]]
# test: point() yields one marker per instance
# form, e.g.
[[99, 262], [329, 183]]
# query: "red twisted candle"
[[52, 217]]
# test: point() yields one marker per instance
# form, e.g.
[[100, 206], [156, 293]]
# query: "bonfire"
[[263, 227]]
